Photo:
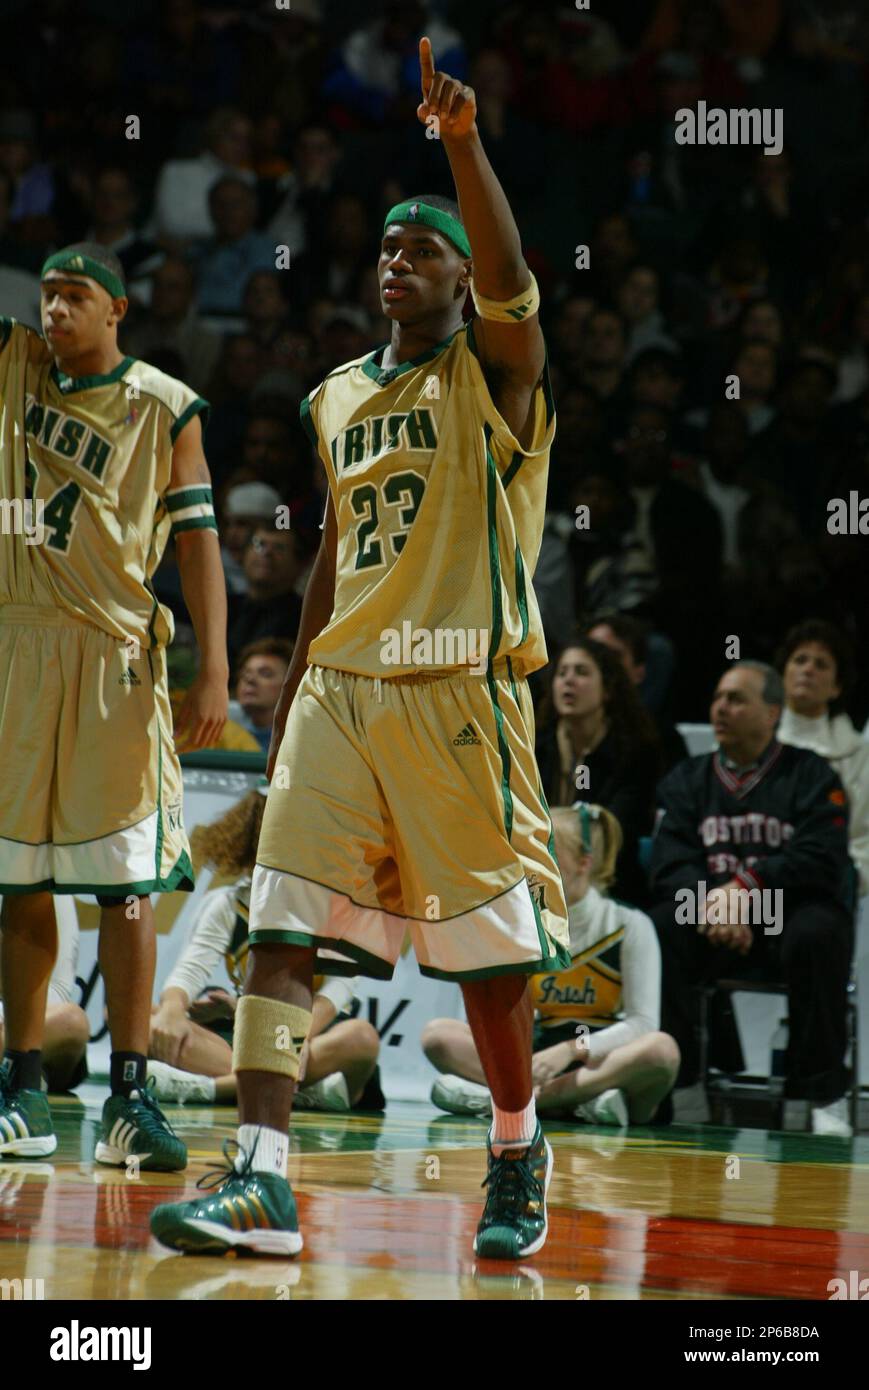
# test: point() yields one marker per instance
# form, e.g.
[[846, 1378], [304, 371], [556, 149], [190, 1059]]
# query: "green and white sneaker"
[[514, 1223], [26, 1130], [247, 1211], [137, 1129]]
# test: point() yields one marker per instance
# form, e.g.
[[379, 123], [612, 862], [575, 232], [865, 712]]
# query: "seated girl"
[[191, 1031]]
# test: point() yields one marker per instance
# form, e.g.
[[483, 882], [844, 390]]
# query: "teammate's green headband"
[[83, 265], [442, 222]]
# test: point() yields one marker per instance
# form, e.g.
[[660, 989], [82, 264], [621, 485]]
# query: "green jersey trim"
[[512, 468], [541, 934], [490, 972], [373, 967], [180, 880], [497, 630], [521, 595], [67, 385], [199, 406], [385, 377], [158, 847], [547, 391], [10, 890], [504, 752], [307, 420], [494, 560]]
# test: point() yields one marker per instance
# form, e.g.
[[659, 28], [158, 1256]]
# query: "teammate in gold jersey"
[[405, 796], [100, 456]]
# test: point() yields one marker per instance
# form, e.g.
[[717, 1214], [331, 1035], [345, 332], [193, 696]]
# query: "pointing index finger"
[[426, 65]]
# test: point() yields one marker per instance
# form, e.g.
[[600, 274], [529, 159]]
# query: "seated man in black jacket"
[[758, 816]]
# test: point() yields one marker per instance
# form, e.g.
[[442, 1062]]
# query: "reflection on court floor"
[[388, 1206]]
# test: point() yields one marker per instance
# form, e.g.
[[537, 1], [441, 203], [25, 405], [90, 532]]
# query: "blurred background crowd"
[[194, 139]]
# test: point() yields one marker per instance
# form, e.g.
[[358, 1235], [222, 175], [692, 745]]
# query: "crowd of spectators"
[[195, 141], [706, 311]]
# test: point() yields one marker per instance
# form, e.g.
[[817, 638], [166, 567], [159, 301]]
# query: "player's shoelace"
[[215, 1178], [512, 1185], [149, 1117]]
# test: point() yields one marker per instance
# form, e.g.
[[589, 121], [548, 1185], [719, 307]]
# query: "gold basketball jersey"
[[440, 515], [92, 456]]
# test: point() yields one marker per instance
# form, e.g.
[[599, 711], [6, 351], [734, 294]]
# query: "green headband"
[[587, 814], [430, 217], [83, 265]]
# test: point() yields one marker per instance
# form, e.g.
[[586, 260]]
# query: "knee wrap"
[[269, 1035]]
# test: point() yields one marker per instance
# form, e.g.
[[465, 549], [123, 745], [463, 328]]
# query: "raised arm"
[[513, 352]]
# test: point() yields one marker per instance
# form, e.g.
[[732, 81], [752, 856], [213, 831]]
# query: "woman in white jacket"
[[598, 1053], [817, 667]]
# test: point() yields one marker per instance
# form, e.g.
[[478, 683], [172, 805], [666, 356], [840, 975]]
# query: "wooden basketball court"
[[388, 1207]]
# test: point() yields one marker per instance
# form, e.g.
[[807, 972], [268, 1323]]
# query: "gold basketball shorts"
[[90, 792], [411, 806]]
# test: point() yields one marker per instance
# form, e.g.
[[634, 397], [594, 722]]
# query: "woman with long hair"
[[816, 660], [191, 1032], [596, 742], [598, 1053]]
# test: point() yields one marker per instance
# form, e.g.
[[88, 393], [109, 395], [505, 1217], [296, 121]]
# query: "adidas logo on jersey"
[[467, 735], [128, 677]]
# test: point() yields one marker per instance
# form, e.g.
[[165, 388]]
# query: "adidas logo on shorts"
[[128, 678], [467, 735]]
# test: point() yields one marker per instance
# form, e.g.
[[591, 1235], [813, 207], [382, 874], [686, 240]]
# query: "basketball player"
[[408, 799], [101, 456]]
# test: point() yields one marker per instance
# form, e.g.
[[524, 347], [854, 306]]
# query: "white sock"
[[514, 1129], [269, 1148]]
